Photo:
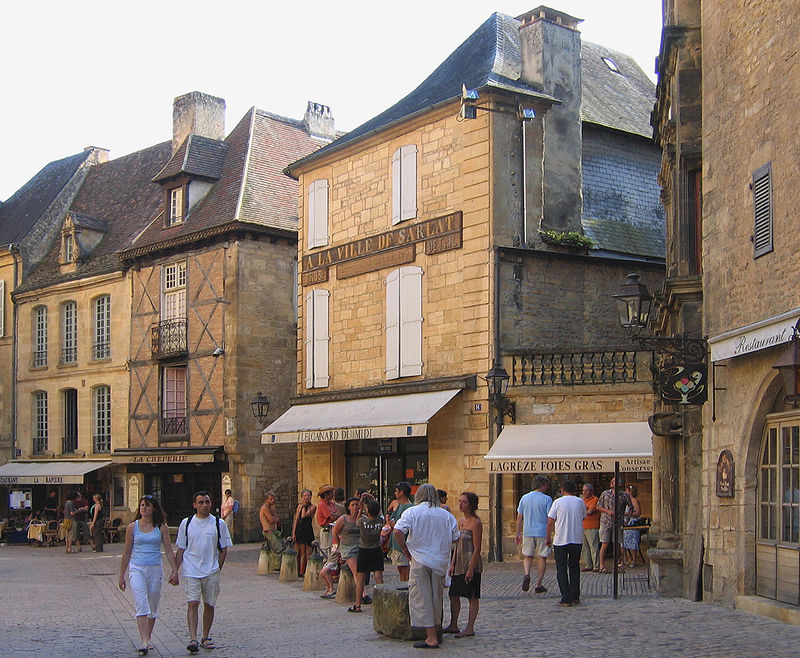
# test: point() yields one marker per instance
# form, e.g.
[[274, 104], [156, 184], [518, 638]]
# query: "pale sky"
[[104, 73]]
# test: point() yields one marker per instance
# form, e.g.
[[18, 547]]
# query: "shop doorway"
[[175, 490], [778, 545], [377, 465]]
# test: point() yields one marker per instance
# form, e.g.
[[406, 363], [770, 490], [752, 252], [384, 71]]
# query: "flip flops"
[[193, 647], [207, 643], [354, 608]]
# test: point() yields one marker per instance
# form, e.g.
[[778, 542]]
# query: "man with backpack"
[[202, 548]]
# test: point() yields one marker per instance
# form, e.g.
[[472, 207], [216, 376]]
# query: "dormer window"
[[175, 206], [68, 247], [611, 64]]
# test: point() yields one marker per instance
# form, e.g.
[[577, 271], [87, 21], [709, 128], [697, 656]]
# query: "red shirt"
[[591, 522], [326, 512]]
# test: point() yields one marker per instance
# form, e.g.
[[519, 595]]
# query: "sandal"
[[603, 570], [143, 650], [459, 635], [354, 608], [207, 643], [328, 595], [453, 631], [193, 647]]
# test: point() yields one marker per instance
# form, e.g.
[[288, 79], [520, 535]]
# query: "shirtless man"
[[269, 524]]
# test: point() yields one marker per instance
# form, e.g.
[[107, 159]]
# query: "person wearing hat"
[[327, 513]]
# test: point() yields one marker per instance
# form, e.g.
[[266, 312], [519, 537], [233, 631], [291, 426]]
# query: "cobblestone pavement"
[[69, 605]]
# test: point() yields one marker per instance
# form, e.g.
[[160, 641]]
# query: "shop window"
[[404, 183], [69, 332], [318, 213], [40, 336], [404, 323], [317, 338], [118, 491]]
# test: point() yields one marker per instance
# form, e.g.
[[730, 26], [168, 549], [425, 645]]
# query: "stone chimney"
[[197, 113], [319, 121], [550, 50], [97, 154]]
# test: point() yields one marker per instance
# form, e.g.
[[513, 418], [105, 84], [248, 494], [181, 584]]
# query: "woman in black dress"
[[466, 566], [302, 530]]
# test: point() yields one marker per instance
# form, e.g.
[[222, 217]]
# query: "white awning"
[[390, 416], [49, 472], [579, 448]]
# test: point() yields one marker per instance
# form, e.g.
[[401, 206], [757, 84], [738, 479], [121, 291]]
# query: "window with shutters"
[[762, 205], [40, 336], [404, 183], [317, 338], [175, 214], [69, 333], [404, 323], [318, 213]]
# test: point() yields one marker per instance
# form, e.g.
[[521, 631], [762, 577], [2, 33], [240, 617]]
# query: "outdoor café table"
[[36, 531]]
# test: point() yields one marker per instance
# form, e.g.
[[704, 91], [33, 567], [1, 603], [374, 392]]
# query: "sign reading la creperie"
[[439, 234]]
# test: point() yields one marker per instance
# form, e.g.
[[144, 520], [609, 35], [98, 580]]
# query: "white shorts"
[[146, 584], [208, 587], [535, 546]]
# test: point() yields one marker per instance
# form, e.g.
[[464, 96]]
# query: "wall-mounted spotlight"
[[219, 351], [469, 107]]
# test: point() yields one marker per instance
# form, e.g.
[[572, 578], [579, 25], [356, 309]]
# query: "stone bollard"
[[346, 591], [390, 614], [263, 562], [312, 582], [274, 562], [288, 566]]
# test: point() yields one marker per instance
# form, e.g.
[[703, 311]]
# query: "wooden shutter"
[[410, 321], [317, 338], [2, 307], [408, 182], [762, 204], [393, 325], [396, 186], [318, 213]]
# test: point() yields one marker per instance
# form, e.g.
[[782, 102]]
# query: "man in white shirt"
[[431, 533], [202, 548], [565, 534]]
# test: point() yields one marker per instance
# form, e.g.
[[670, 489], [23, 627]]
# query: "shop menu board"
[[19, 500]]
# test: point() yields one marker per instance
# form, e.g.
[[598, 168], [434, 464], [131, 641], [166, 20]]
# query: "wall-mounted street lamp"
[[789, 366], [260, 407], [497, 380], [469, 107], [683, 371]]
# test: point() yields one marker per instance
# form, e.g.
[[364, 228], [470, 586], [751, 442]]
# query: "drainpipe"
[[14, 251], [498, 483]]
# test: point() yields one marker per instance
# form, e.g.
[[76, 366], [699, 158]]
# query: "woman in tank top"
[[466, 566], [143, 541], [344, 538]]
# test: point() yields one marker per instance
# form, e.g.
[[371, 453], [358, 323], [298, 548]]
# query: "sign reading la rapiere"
[[439, 234]]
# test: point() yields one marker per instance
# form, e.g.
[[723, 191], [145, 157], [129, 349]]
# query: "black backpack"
[[189, 520]]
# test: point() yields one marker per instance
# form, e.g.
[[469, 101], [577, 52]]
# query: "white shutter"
[[2, 307], [396, 186], [309, 322], [393, 325], [321, 338], [318, 213], [410, 321], [408, 182]]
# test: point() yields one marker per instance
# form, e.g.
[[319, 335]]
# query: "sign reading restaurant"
[[39, 479], [569, 465], [438, 235], [754, 337]]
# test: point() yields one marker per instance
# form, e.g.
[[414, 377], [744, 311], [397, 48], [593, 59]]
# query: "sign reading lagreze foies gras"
[[569, 465]]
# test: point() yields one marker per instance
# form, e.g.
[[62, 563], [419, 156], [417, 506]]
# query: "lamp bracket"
[[693, 350], [505, 406]]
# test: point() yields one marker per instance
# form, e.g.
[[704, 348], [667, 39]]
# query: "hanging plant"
[[568, 239]]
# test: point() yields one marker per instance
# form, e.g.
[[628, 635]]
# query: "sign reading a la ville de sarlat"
[[385, 249]]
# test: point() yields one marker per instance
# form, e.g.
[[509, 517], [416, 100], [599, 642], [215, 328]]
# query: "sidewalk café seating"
[[111, 531], [52, 533], [36, 531]]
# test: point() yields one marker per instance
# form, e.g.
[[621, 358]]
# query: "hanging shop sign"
[[685, 383]]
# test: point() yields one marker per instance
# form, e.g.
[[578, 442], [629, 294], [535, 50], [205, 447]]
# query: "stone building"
[[724, 116], [442, 236], [161, 304]]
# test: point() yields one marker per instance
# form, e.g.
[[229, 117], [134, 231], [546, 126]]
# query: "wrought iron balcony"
[[102, 443], [39, 358], [174, 426], [39, 445], [580, 368], [69, 355], [69, 444], [169, 338], [101, 350]]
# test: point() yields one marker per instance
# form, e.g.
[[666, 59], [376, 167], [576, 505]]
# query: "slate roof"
[[120, 194], [622, 101], [21, 211], [490, 57], [197, 156], [625, 238], [251, 187]]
